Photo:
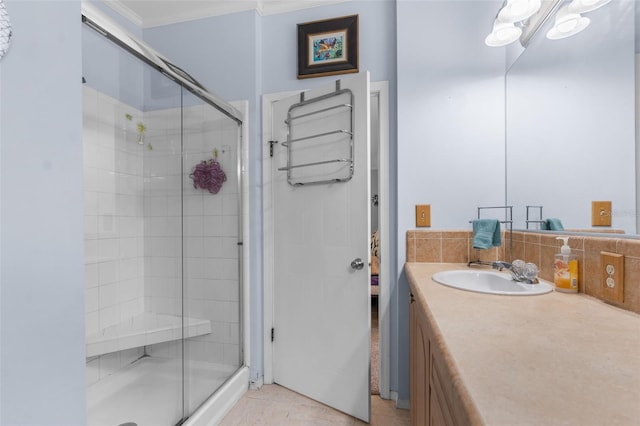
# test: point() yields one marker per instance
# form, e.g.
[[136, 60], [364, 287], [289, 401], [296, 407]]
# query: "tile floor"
[[275, 405]]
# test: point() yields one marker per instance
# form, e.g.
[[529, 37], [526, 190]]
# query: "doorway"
[[379, 92]]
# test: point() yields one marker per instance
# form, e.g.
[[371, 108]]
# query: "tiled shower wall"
[[539, 248], [209, 246], [135, 250], [114, 245]]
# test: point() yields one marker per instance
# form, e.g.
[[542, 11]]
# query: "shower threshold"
[[125, 397]]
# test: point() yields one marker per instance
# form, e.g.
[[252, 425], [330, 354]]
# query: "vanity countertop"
[[551, 359]]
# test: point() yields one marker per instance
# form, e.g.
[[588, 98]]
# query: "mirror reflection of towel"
[[553, 224], [486, 233]]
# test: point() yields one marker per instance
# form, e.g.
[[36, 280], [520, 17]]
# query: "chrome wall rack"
[[539, 221], [302, 117], [508, 221]]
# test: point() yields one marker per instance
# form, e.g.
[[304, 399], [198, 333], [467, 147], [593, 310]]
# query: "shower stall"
[[163, 234]]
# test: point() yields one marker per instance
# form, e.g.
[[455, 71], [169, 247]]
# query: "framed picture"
[[328, 47]]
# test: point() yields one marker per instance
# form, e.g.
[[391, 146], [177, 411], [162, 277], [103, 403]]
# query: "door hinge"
[[271, 144], [273, 333]]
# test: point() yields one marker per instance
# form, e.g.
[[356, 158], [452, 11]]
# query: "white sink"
[[489, 282]]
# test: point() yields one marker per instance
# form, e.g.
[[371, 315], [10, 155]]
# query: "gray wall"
[[41, 259]]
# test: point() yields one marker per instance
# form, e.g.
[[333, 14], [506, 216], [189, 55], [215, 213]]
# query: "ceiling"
[[153, 13]]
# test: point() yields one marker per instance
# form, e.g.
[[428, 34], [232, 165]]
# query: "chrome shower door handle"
[[357, 263]]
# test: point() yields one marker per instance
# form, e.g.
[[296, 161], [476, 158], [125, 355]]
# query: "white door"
[[322, 307]]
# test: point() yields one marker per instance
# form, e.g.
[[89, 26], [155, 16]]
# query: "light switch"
[[601, 213], [423, 215]]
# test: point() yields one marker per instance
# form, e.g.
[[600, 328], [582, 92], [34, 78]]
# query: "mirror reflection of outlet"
[[612, 265]]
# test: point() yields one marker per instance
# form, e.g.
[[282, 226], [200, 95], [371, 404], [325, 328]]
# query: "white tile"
[[128, 248], [194, 247], [174, 205], [107, 272], [90, 251], [108, 226], [91, 276], [108, 248], [90, 202], [156, 206], [92, 300], [232, 312], [193, 205], [213, 205], [195, 267], [230, 204], [108, 295], [221, 247], [193, 226], [109, 316], [92, 372], [221, 269], [127, 291], [231, 354], [131, 308], [155, 226], [90, 227]]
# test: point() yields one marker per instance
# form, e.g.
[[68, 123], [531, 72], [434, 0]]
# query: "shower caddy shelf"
[[144, 329], [348, 107]]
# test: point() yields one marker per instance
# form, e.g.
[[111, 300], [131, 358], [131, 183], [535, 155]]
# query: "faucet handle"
[[531, 271]]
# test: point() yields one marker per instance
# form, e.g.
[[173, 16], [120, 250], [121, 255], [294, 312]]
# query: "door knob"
[[357, 263]]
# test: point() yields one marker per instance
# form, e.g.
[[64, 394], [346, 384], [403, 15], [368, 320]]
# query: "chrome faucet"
[[521, 272]]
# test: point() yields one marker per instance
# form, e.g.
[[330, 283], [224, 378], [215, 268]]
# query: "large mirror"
[[571, 123]]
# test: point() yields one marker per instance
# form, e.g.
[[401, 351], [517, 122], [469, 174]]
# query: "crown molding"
[[155, 13]]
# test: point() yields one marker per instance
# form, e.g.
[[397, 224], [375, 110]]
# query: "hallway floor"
[[275, 405]]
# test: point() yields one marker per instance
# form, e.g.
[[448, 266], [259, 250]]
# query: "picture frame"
[[328, 47]]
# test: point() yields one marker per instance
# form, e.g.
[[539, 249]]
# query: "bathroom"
[[446, 94]]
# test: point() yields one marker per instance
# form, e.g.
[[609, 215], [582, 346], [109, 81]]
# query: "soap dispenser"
[[565, 269]]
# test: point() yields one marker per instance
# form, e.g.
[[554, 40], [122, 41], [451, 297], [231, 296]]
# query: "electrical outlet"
[[601, 213], [612, 265], [423, 215]]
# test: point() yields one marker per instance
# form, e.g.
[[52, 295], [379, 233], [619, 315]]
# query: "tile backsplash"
[[456, 247]]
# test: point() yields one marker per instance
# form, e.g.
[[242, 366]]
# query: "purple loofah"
[[208, 175]]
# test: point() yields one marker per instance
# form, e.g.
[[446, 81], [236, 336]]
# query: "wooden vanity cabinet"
[[434, 399]]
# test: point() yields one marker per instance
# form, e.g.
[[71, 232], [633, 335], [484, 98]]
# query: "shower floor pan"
[[145, 329], [149, 392]]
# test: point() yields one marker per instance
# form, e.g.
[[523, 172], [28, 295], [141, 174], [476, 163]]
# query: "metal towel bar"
[[343, 144]]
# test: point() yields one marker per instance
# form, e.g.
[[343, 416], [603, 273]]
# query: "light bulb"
[[567, 23], [583, 6], [518, 10], [503, 33]]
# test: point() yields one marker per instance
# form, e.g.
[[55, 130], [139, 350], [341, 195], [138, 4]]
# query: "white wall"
[[41, 287]]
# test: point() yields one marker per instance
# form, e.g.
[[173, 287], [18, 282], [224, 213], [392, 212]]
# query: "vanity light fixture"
[[505, 30], [519, 10], [503, 33], [567, 24], [582, 6]]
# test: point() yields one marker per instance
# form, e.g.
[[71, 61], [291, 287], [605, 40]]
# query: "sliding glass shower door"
[[163, 239]]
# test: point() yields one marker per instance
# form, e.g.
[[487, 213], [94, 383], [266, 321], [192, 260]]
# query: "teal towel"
[[554, 224], [486, 233]]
